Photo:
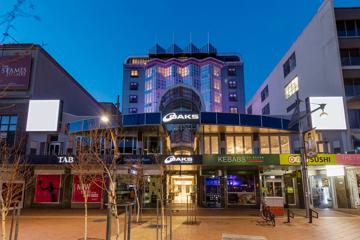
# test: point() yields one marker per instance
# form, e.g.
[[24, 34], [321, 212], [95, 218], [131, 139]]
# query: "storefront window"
[[285, 146], [128, 145], [214, 145], [230, 148], [248, 145], [264, 145], [207, 145], [151, 145], [275, 145], [238, 144], [241, 189]]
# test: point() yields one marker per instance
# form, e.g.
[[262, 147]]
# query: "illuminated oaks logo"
[[174, 116], [173, 159]]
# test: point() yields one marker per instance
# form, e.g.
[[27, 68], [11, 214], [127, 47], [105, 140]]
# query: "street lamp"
[[297, 118], [104, 119]]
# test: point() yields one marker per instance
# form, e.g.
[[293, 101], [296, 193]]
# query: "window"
[[128, 145], [132, 110], [352, 87], [266, 109], [134, 86], [134, 73], [289, 65], [183, 71], [167, 72], [217, 97], [216, 71], [133, 99], [249, 110], [238, 144], [264, 93], [348, 28], [274, 144], [231, 71], [292, 87], [232, 97], [8, 129], [350, 56], [217, 84], [211, 145], [148, 85], [233, 110], [232, 84]]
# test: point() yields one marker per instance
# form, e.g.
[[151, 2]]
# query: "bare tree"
[[87, 175], [15, 176]]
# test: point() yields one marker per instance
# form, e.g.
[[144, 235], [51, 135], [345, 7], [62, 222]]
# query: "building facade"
[[216, 79], [321, 62]]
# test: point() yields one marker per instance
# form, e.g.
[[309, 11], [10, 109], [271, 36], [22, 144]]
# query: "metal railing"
[[290, 214], [311, 216], [191, 209], [127, 219]]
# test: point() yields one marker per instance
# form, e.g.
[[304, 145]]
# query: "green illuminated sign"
[[241, 159]]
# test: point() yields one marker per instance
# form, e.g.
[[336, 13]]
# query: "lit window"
[[216, 71], [167, 72], [233, 97], [292, 87], [233, 110], [264, 145], [183, 71], [148, 72], [238, 144], [211, 145], [148, 98], [217, 97], [217, 84], [232, 84], [285, 146], [134, 73], [148, 85], [275, 145]]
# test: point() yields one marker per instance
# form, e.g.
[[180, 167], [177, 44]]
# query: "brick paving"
[[67, 224]]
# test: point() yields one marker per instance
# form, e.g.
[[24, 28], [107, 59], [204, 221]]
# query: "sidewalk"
[[59, 224]]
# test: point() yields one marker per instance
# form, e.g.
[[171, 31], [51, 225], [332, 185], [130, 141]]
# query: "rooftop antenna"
[[208, 45]]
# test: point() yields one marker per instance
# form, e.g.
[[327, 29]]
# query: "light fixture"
[[323, 114], [104, 119]]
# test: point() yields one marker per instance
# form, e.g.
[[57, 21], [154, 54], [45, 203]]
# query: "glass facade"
[[8, 129], [274, 144]]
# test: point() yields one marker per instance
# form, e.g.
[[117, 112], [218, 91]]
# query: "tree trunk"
[[86, 220], [137, 205], [3, 225]]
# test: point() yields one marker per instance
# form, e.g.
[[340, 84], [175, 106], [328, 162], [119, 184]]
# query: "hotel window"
[[231, 71], [292, 87], [148, 72], [232, 84], [352, 87], [134, 73], [232, 97], [274, 144], [289, 65], [8, 129], [211, 145], [133, 99], [264, 93], [266, 110], [134, 86], [349, 28], [350, 56], [216, 71], [238, 144], [217, 97], [233, 110], [167, 71], [217, 84], [183, 71], [148, 85], [132, 110]]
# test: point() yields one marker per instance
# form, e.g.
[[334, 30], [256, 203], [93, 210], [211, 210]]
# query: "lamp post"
[[297, 118]]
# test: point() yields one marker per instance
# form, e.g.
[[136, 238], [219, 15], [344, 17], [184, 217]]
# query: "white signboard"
[[334, 119], [180, 117], [43, 116], [178, 160]]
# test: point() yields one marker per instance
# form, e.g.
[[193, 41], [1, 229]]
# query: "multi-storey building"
[[323, 61], [213, 82]]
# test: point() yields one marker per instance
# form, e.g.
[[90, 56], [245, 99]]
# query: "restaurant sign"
[[320, 159], [241, 159]]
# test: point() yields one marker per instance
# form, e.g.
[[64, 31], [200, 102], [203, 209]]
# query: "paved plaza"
[[67, 224]]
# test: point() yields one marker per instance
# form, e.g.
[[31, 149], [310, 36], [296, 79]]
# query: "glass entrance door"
[[321, 191], [182, 188]]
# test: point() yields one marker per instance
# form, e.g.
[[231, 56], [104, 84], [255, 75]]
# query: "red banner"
[[348, 159], [93, 188], [15, 72], [47, 188]]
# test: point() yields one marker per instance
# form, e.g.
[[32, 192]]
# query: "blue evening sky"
[[91, 39]]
